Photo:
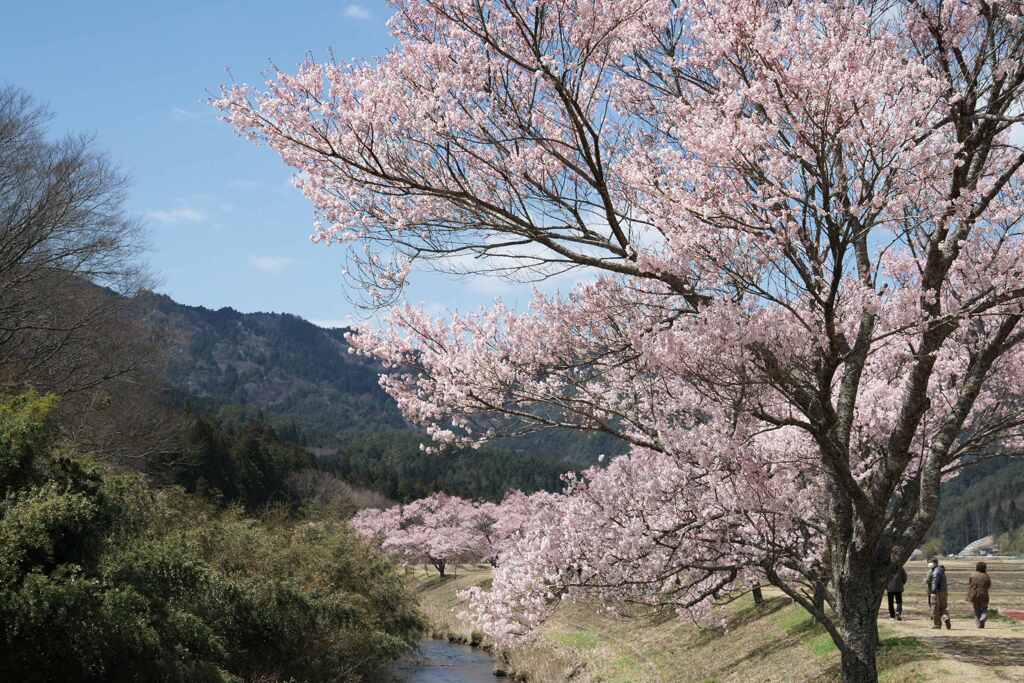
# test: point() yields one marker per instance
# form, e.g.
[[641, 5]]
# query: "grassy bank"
[[773, 642]]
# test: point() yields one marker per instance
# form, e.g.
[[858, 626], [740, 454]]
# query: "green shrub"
[[104, 578]]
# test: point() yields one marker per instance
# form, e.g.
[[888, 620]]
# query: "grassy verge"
[[775, 641]]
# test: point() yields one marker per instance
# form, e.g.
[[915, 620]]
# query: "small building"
[[982, 547]]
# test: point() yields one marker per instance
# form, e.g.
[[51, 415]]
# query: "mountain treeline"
[[392, 463], [247, 462], [986, 499]]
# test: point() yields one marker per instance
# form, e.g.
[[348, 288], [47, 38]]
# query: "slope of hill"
[[274, 362], [987, 499]]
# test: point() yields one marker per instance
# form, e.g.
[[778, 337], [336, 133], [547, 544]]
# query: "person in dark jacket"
[[977, 593], [894, 593], [938, 591]]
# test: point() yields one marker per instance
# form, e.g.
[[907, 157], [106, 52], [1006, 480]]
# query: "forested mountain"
[[275, 362], [986, 499], [300, 378]]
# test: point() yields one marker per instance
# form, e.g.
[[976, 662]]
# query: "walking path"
[[995, 653]]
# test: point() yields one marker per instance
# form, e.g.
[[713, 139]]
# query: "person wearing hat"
[[938, 594]]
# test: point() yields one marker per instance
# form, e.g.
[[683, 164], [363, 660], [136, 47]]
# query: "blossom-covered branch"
[[799, 219]]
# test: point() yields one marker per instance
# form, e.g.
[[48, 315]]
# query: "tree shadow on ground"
[[800, 632], [982, 650], [742, 617], [434, 582], [752, 613]]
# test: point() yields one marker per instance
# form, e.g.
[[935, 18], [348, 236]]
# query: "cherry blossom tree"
[[502, 525], [516, 511], [622, 535], [798, 225], [484, 522], [374, 525], [437, 530]]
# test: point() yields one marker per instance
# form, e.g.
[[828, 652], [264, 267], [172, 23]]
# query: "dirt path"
[[993, 654]]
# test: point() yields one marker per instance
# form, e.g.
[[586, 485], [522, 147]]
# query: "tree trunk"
[[439, 566], [858, 596], [819, 598]]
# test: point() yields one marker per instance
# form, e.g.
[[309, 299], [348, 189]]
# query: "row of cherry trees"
[[616, 533], [621, 535], [442, 530]]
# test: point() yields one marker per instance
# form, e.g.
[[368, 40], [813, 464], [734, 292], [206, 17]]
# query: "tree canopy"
[[799, 229]]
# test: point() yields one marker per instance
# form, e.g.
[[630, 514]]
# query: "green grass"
[[798, 624], [623, 669], [994, 615], [580, 640], [896, 658]]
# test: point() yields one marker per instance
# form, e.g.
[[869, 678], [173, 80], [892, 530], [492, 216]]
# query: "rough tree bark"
[[858, 595]]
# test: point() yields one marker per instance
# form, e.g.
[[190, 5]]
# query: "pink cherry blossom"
[[439, 530]]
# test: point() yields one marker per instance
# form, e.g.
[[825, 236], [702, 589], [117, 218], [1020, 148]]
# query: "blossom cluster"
[[653, 529], [439, 530]]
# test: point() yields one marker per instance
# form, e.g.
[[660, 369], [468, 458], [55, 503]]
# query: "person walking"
[[938, 594], [894, 594], [928, 582], [977, 593]]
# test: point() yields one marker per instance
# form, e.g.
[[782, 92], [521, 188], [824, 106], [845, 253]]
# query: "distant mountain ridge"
[[283, 370], [274, 362], [297, 372]]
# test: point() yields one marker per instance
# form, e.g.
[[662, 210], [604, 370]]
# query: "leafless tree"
[[69, 255], [70, 267]]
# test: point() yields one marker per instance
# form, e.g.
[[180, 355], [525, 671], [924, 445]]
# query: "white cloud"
[[491, 285], [182, 214], [354, 10], [271, 264]]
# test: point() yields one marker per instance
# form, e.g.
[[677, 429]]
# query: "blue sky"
[[226, 227]]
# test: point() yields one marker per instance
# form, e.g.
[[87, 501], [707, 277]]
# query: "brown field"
[[776, 642]]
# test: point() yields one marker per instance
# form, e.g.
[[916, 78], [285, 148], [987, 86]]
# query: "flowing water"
[[439, 661]]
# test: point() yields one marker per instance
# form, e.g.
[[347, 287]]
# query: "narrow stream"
[[439, 661]]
